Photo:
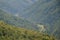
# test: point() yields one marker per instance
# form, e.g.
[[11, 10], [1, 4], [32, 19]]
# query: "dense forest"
[[9, 32]]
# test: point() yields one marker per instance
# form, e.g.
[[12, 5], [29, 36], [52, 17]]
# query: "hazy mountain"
[[41, 11], [15, 6], [17, 21]]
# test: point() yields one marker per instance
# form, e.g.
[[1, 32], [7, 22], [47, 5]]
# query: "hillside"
[[9, 32], [45, 12], [16, 21]]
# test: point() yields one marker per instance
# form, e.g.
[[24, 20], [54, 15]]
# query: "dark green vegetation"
[[16, 21], [9, 32]]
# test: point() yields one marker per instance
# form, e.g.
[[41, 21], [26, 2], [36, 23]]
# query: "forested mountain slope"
[[9, 32]]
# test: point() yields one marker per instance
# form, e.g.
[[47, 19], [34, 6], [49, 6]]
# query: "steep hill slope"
[[9, 32], [46, 12], [16, 21]]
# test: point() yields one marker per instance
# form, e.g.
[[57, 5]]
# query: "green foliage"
[[9, 32]]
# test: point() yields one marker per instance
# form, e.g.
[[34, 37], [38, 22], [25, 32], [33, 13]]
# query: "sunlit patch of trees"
[[9, 32]]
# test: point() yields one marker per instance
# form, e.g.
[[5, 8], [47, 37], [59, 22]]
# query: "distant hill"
[[9, 32], [16, 21]]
